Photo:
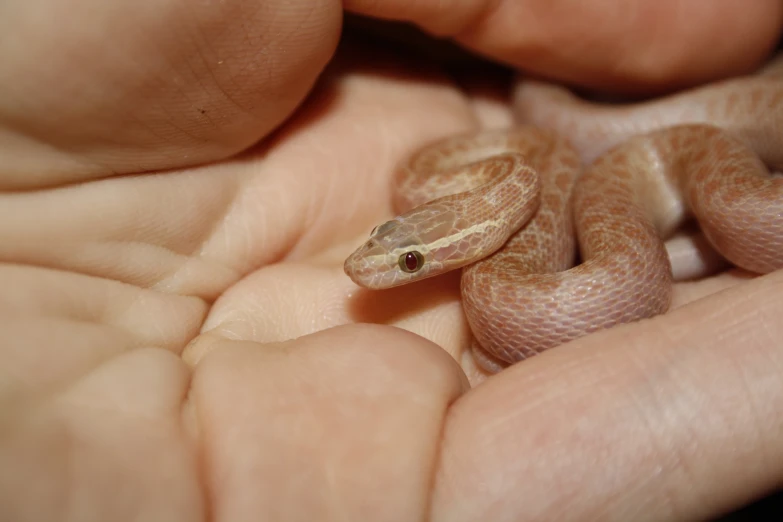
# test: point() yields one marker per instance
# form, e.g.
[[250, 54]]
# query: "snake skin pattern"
[[511, 206]]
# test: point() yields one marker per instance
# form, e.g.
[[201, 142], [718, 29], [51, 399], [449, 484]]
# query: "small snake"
[[509, 207]]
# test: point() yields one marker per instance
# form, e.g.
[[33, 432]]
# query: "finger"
[[107, 443], [613, 44], [675, 418], [56, 327], [686, 292], [340, 425], [137, 86]]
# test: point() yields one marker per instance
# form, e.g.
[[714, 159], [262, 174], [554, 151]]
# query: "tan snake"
[[505, 206]]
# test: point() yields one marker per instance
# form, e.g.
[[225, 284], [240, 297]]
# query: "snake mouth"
[[355, 270], [360, 268]]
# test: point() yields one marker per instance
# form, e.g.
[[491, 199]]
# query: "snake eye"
[[411, 262]]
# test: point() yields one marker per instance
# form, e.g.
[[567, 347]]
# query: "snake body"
[[509, 207]]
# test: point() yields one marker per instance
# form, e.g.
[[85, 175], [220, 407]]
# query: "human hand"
[[179, 344]]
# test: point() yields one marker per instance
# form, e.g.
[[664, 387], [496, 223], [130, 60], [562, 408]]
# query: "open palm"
[[180, 341]]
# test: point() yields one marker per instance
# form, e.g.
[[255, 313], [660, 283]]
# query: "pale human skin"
[[143, 374]]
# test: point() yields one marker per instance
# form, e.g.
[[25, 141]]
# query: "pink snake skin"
[[603, 185]]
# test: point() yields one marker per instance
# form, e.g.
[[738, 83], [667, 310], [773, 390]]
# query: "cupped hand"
[[179, 340]]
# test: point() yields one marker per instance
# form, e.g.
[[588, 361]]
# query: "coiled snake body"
[[509, 207]]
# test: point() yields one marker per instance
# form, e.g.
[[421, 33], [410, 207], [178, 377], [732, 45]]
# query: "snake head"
[[408, 248], [391, 257]]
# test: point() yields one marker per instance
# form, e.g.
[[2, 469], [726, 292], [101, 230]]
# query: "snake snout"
[[366, 266], [359, 269], [354, 269]]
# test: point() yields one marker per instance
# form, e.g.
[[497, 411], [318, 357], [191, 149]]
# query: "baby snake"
[[511, 208]]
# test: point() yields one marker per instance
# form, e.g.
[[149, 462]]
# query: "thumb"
[[130, 86]]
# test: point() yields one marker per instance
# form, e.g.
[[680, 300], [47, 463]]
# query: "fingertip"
[[160, 90], [631, 46], [675, 412]]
